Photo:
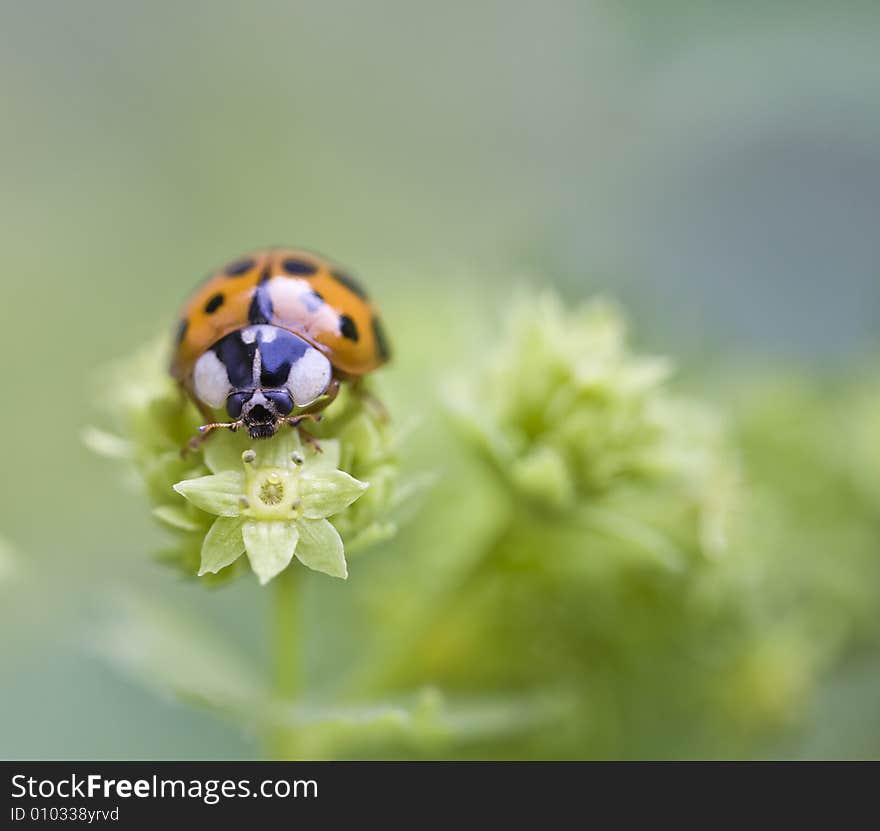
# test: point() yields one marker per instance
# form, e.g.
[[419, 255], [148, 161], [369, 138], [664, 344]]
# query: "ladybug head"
[[261, 411]]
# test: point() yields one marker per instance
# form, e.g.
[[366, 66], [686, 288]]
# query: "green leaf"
[[171, 652], [217, 494], [637, 535], [426, 719], [175, 517], [270, 547], [326, 492], [320, 548], [363, 437], [328, 457], [223, 545], [371, 535], [106, 444]]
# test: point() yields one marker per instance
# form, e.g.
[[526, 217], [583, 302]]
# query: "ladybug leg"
[[187, 397], [305, 436], [204, 431], [379, 409], [204, 410]]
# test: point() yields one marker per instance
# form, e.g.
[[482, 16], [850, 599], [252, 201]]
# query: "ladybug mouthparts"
[[261, 419], [263, 430], [258, 414]]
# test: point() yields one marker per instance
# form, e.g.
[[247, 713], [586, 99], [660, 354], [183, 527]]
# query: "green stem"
[[384, 670], [287, 639]]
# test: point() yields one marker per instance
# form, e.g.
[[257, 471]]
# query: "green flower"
[[152, 420], [565, 410], [578, 425], [272, 501]]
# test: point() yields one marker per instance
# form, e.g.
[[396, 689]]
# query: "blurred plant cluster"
[[602, 567]]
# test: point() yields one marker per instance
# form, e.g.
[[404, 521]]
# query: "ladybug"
[[270, 338]]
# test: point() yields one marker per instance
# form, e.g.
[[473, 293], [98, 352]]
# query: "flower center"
[[271, 494], [272, 490]]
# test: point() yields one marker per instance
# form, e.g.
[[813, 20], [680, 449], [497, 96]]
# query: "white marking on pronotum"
[[258, 398], [257, 367], [309, 377], [211, 381]]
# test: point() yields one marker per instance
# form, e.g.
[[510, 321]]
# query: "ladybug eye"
[[282, 401], [235, 402]]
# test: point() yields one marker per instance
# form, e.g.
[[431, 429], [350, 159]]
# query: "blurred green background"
[[716, 166]]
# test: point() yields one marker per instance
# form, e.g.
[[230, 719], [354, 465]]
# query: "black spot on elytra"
[[239, 267], [181, 331], [260, 310], [298, 268], [351, 284], [214, 303], [382, 344], [348, 328]]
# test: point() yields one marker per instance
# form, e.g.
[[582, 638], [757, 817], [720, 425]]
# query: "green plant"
[[603, 567]]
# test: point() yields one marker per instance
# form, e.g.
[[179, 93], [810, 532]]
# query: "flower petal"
[[270, 547], [223, 545], [223, 450], [320, 548], [328, 457], [217, 494], [276, 452], [325, 492], [543, 475]]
